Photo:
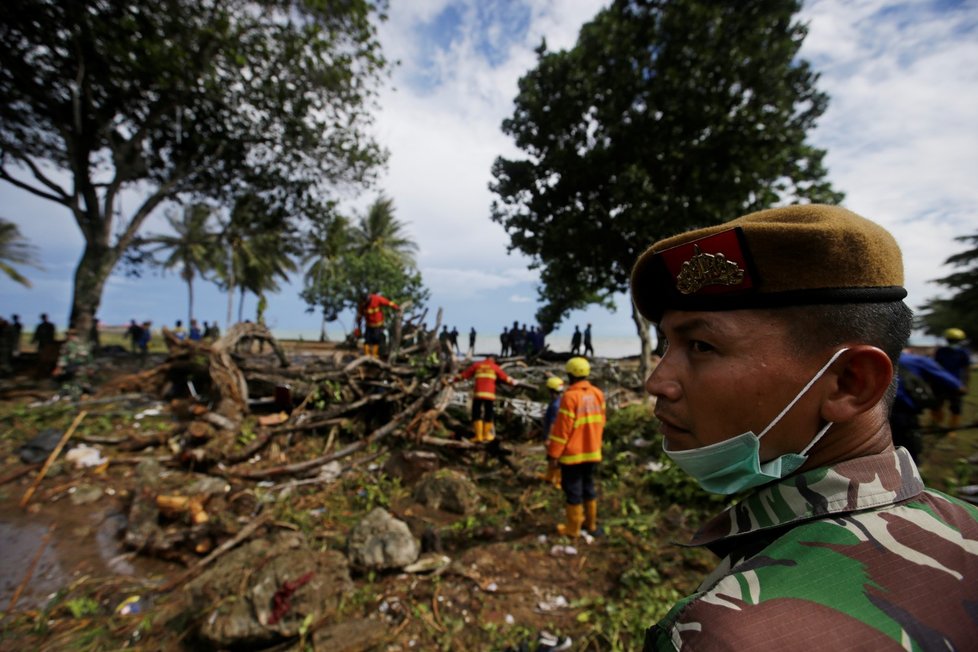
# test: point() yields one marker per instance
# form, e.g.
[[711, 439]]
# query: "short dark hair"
[[886, 325]]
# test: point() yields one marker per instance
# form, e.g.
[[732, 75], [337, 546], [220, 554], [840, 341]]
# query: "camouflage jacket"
[[854, 556]]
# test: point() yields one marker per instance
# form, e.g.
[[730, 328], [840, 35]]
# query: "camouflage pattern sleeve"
[[855, 556]]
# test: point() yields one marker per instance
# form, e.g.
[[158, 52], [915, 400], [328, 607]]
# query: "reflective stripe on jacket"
[[373, 313], [576, 434], [486, 372]]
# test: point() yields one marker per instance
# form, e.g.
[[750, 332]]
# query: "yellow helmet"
[[555, 383], [954, 334], [578, 367]]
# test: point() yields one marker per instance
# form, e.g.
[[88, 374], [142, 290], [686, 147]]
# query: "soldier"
[[74, 369], [788, 323]]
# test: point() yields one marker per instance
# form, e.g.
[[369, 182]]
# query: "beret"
[[790, 256]]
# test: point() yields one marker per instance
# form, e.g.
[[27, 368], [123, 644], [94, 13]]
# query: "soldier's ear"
[[858, 380]]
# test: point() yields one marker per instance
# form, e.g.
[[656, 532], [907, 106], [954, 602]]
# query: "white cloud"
[[520, 298]]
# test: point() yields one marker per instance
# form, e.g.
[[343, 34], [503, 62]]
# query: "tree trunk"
[[190, 301], [91, 274], [645, 360]]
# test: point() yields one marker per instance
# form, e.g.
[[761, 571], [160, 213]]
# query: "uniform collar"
[[850, 486]]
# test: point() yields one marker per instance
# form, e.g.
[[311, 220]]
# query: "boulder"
[[261, 592], [381, 542], [448, 490]]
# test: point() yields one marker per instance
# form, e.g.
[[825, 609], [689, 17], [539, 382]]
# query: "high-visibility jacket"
[[372, 310], [576, 434], [486, 372]]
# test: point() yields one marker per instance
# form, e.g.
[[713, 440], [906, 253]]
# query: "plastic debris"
[[509, 619], [552, 643], [558, 602], [654, 466], [558, 550], [491, 587], [131, 606], [84, 456], [148, 412]]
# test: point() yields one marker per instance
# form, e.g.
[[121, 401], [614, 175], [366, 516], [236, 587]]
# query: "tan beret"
[[791, 256]]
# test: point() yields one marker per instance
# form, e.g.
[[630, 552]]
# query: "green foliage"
[[960, 310], [347, 262], [15, 250], [202, 99], [81, 607], [663, 116]]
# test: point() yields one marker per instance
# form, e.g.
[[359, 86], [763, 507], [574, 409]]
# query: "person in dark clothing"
[[588, 347], [904, 416], [18, 328], [47, 347], [472, 340], [504, 343], [576, 341], [956, 360], [134, 333], [453, 339]]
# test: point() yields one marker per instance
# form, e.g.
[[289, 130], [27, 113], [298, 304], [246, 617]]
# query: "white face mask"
[[734, 464]]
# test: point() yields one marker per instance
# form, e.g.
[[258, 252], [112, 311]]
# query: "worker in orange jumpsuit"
[[371, 311], [575, 446], [486, 372]]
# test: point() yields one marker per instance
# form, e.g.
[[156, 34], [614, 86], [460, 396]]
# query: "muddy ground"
[[499, 575]]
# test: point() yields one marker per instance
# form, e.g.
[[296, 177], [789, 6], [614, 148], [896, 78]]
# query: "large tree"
[[666, 115], [347, 261], [960, 310], [168, 98]]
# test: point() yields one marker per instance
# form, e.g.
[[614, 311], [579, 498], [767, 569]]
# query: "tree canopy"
[[666, 115], [183, 99], [960, 310], [349, 260]]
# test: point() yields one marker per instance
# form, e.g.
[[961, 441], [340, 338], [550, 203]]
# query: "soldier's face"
[[725, 373]]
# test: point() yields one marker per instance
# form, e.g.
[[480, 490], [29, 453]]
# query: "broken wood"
[[192, 572], [54, 454]]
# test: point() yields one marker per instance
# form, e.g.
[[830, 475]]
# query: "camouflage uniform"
[[859, 555], [76, 367]]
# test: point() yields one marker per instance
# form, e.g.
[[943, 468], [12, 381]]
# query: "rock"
[[448, 490], [350, 636], [85, 494], [238, 595], [410, 465], [380, 542], [428, 563], [207, 485], [148, 472]]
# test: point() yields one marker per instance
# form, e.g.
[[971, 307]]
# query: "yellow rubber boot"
[[575, 518], [489, 432], [553, 476], [591, 516], [376, 351], [478, 427], [366, 350]]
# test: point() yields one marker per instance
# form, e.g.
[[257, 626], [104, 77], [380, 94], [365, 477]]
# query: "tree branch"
[[6, 176]]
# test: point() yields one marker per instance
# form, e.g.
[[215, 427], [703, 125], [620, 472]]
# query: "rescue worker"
[[789, 323], [486, 372], [555, 386], [574, 447], [371, 312], [954, 357]]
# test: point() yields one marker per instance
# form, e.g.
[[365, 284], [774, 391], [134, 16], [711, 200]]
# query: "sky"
[[901, 134]]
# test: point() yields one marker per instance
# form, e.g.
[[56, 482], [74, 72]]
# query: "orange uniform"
[[372, 310], [576, 434], [486, 372]]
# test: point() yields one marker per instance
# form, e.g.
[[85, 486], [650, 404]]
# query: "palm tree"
[[381, 233], [192, 248], [15, 250], [258, 252]]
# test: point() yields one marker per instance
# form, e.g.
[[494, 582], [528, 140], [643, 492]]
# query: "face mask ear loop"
[[817, 437], [798, 396]]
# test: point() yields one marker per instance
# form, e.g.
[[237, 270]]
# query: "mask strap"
[[798, 396], [817, 437]]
